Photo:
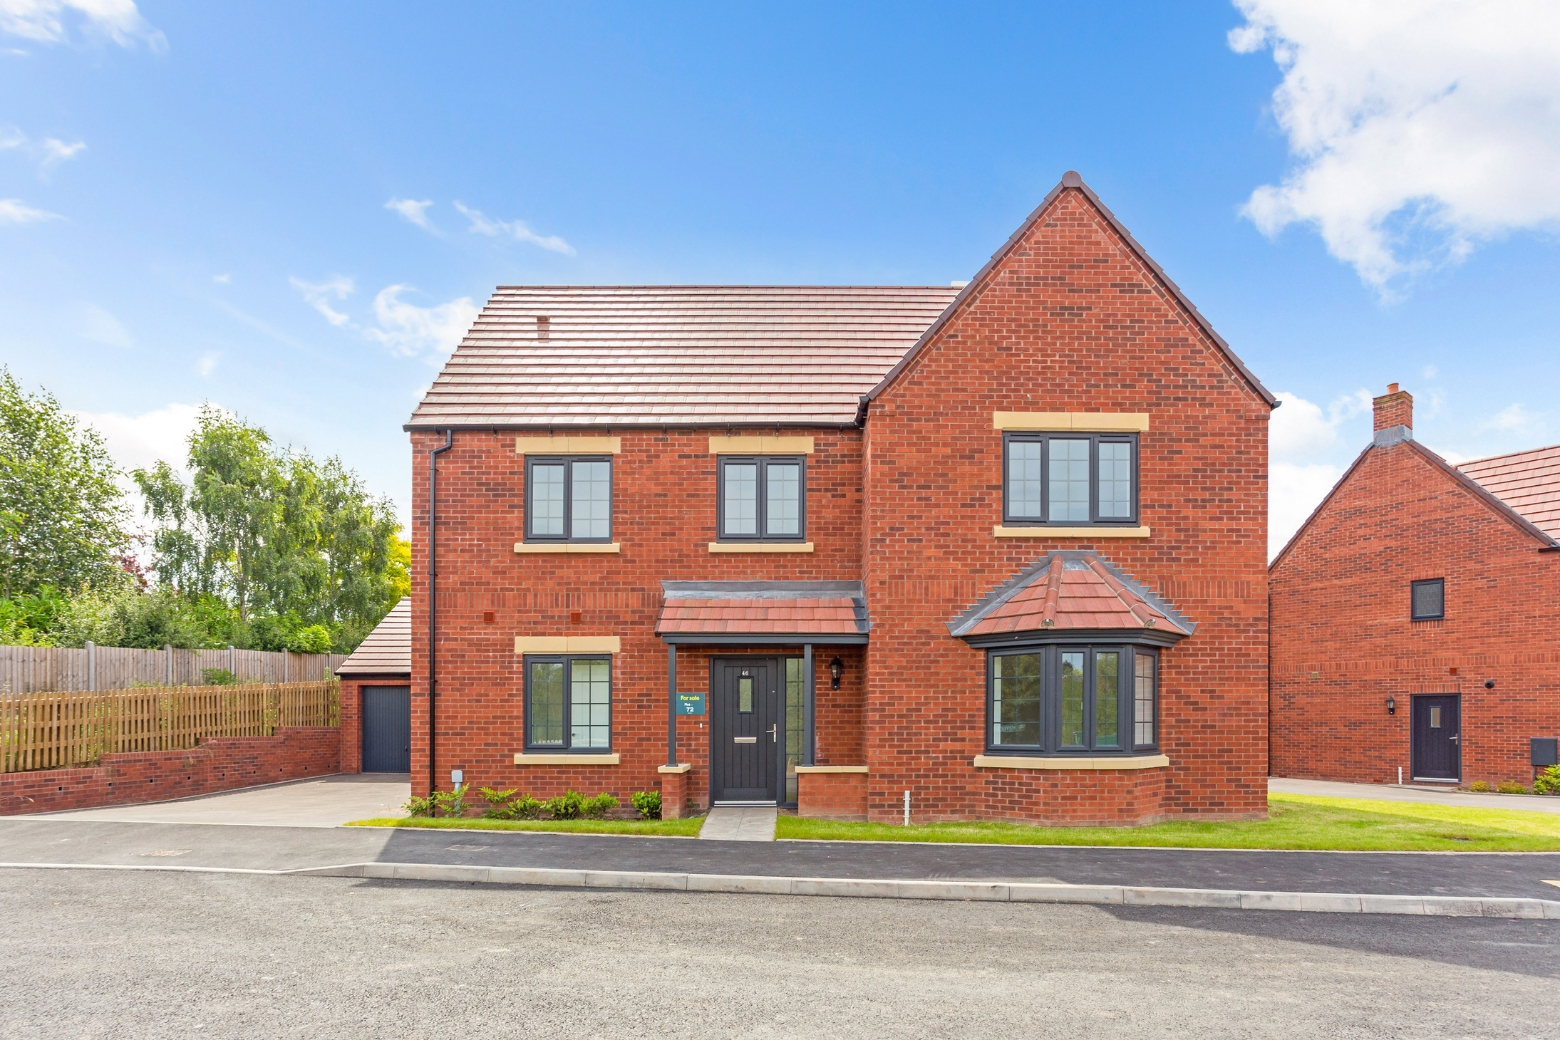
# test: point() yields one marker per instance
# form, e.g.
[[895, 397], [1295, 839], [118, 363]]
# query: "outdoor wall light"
[[1489, 684], [836, 669], [1391, 705]]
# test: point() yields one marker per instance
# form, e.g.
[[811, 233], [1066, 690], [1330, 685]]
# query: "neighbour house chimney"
[[1394, 416]]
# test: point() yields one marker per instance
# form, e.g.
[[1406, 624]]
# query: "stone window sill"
[[1069, 532], [567, 547], [761, 547], [534, 758], [681, 767], [1065, 762], [830, 769]]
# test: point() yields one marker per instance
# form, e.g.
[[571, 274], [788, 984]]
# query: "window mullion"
[[568, 501], [761, 500], [1045, 479], [1094, 485]]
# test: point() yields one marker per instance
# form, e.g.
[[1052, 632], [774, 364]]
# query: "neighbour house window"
[[1072, 700], [1428, 601], [568, 499], [568, 703], [762, 499], [1069, 479]]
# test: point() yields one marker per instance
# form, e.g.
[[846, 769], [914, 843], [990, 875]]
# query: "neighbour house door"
[[745, 702], [387, 729], [1437, 737]]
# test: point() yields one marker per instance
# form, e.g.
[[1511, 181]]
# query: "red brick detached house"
[[997, 548], [1413, 617]]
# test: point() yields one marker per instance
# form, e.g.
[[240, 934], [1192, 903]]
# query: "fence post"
[[232, 662], [168, 653], [91, 666]]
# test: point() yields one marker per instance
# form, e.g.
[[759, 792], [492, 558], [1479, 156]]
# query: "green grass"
[[685, 828], [1294, 822]]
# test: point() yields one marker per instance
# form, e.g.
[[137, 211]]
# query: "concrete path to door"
[[326, 801], [1416, 793], [745, 823]]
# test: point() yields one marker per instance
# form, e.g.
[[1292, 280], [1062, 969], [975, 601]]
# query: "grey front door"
[[1437, 737], [387, 729], [745, 702]]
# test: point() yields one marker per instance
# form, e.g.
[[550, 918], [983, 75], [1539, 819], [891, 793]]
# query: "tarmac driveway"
[[327, 801]]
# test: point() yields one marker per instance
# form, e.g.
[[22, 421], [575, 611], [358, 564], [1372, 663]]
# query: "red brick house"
[[997, 549], [1412, 617], [376, 697]]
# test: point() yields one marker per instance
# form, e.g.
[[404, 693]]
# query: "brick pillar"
[[1394, 408], [674, 791]]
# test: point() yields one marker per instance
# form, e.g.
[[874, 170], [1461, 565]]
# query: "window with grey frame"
[[761, 498], [1062, 700], [1069, 479], [568, 499], [568, 704], [1427, 600]]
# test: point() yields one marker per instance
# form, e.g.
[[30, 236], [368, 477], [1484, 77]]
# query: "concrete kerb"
[[861, 888]]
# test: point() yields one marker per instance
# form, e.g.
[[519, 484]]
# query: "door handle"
[[773, 734], [1455, 739]]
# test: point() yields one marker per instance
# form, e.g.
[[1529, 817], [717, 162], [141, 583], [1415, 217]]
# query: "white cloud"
[[516, 229], [318, 296], [141, 441], [1301, 429], [42, 20], [413, 211], [99, 326], [15, 211], [1294, 491], [49, 152], [1306, 445], [222, 279], [1511, 417], [409, 330], [1419, 128], [207, 364]]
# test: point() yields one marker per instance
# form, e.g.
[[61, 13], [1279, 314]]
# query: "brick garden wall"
[[1343, 640], [1071, 321], [218, 764]]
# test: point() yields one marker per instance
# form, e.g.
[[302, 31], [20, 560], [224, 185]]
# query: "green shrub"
[[648, 803], [1548, 782], [567, 806], [498, 803], [1510, 787], [526, 808], [452, 803], [218, 677], [1479, 785], [418, 806], [597, 808]]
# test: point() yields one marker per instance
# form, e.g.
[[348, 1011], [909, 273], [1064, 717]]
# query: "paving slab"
[[744, 823], [327, 801], [1416, 793]]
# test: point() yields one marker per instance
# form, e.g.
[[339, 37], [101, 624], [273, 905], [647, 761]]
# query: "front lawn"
[[1294, 822], [683, 828]]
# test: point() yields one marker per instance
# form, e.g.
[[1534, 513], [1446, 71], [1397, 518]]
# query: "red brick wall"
[[1072, 321], [218, 764], [1343, 640], [832, 796], [664, 520]]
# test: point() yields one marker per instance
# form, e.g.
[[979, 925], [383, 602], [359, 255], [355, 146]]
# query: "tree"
[[62, 515]]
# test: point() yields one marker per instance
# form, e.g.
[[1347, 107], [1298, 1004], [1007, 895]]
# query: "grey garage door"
[[387, 729]]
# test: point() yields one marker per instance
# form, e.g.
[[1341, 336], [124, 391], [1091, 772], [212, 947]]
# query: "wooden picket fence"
[[57, 730]]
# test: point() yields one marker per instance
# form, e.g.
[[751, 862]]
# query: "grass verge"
[[684, 828], [1294, 822]]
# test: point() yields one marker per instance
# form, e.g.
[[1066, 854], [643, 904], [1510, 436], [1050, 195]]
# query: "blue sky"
[[204, 202]]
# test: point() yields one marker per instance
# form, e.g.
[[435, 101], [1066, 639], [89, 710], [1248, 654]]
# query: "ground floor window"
[[1072, 699], [568, 703]]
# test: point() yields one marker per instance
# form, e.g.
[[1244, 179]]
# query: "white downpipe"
[[907, 808]]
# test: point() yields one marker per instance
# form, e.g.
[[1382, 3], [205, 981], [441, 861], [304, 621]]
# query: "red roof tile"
[[1070, 591], [665, 355], [1527, 481], [774, 607]]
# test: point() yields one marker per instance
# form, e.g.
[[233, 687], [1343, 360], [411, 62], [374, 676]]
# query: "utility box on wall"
[[1545, 751]]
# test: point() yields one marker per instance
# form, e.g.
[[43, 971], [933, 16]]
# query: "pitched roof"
[[1070, 590], [1070, 179], [821, 608], [387, 650], [1527, 481], [676, 354]]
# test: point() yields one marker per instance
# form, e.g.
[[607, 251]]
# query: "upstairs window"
[[762, 499], [568, 499], [1428, 600], [1069, 479], [1072, 700]]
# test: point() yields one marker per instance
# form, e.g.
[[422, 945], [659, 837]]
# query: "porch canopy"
[[760, 613]]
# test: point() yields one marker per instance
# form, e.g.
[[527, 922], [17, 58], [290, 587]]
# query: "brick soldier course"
[[1132, 627], [1358, 663]]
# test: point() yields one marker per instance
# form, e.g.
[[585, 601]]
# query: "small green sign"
[[690, 704]]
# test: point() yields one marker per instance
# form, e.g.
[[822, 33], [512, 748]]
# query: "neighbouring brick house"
[[997, 548], [1413, 617], [376, 697]]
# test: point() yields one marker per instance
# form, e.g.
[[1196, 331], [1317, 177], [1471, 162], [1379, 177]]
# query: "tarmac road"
[[135, 954]]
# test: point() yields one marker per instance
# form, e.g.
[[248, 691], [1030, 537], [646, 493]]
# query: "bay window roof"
[[1072, 592]]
